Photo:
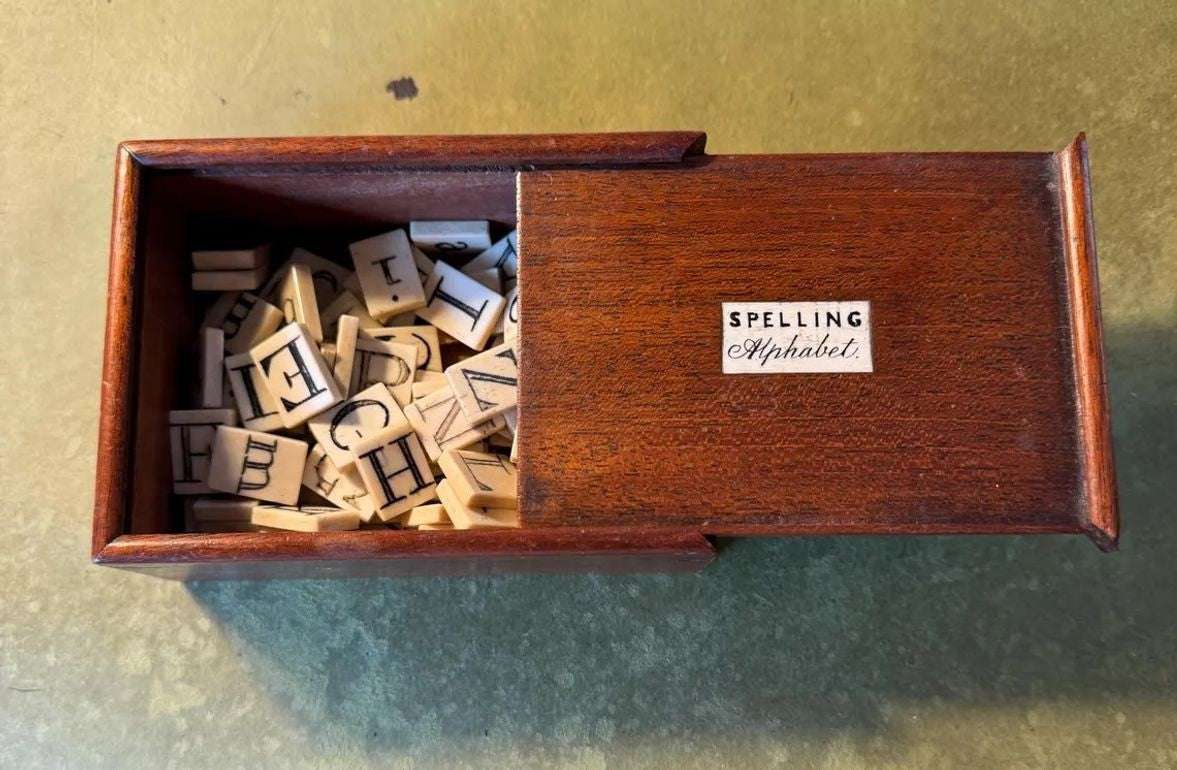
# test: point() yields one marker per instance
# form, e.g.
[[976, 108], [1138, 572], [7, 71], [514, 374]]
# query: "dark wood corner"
[[1101, 520]]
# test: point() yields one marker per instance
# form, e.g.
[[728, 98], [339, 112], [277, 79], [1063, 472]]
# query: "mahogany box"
[[976, 402]]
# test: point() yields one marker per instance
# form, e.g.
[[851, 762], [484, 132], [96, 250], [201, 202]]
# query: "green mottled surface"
[[835, 653]]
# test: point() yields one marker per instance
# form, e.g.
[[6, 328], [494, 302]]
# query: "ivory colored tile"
[[248, 321], [256, 406], [423, 337], [500, 442], [296, 298], [423, 262], [491, 279], [345, 304], [425, 383], [480, 479], [191, 433], [231, 259], [210, 356], [263, 466], [366, 414], [212, 527], [514, 456], [294, 372], [219, 309], [387, 274], [328, 351], [466, 517], [327, 275], [395, 470], [305, 518], [345, 352], [453, 237], [487, 384], [441, 425], [511, 316], [228, 280], [390, 363], [429, 514], [503, 255], [435, 527], [460, 306], [512, 418], [344, 487], [222, 508]]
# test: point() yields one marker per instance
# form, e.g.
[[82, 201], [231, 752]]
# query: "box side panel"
[[1101, 513], [502, 151], [116, 399], [402, 553]]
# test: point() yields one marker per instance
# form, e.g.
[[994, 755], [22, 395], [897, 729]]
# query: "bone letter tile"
[[366, 414], [480, 479], [327, 275], [487, 384], [423, 337], [390, 363], [297, 376], [231, 259], [345, 488], [328, 351], [502, 255], [424, 265], [228, 280], [460, 306], [305, 518], [263, 466], [248, 321], [387, 274], [453, 238], [219, 514], [254, 403], [345, 352], [345, 304], [296, 297], [435, 527], [511, 316], [429, 514], [395, 469], [425, 383], [491, 279], [191, 433], [439, 422], [466, 517], [211, 379]]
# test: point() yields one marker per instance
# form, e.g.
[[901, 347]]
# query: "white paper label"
[[796, 337]]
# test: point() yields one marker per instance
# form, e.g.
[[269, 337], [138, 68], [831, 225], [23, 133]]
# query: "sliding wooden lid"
[[985, 407]]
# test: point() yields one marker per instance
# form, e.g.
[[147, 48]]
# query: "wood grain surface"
[[967, 424], [371, 553], [491, 151]]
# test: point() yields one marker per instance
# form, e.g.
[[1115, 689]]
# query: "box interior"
[[319, 210]]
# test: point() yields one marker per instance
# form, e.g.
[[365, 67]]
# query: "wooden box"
[[984, 409]]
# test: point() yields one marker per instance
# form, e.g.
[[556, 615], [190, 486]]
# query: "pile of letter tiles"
[[372, 395]]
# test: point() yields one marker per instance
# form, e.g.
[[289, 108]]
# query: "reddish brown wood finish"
[[969, 424], [171, 194], [116, 404], [1100, 512], [502, 151], [374, 553]]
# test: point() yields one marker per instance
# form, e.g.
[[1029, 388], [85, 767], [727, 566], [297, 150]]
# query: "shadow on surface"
[[807, 635]]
